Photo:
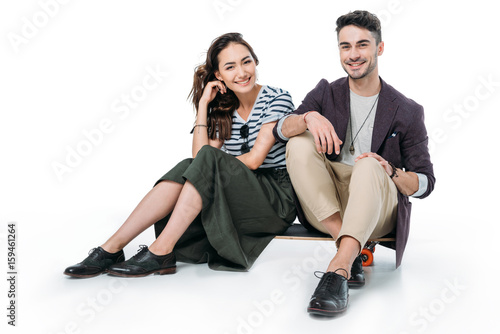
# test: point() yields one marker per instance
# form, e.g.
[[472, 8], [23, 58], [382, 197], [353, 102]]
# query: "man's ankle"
[[343, 270]]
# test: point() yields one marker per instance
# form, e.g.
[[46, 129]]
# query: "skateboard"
[[299, 232]]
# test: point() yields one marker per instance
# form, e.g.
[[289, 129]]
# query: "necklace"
[[351, 148]]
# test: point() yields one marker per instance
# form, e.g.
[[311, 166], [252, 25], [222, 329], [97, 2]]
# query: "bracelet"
[[304, 118], [394, 172], [192, 130]]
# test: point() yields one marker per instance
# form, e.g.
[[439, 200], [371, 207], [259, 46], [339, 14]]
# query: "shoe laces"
[[140, 251], [323, 273], [316, 273], [93, 254], [326, 283]]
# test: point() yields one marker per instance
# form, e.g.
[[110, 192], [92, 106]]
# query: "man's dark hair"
[[361, 19]]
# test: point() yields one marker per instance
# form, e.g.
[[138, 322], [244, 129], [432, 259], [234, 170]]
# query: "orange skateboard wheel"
[[367, 257]]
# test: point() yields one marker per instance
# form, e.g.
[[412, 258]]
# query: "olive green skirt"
[[242, 210]]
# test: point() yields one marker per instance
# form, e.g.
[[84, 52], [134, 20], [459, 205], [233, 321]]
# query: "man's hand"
[[324, 134], [406, 182], [377, 157]]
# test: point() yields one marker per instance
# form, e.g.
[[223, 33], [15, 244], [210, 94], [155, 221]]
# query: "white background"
[[65, 69]]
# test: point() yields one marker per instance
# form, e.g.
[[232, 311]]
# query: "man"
[[364, 152]]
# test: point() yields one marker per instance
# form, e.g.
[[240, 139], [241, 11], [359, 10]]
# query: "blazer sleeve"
[[415, 151], [313, 99]]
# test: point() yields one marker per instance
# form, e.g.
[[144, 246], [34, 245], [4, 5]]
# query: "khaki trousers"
[[364, 194]]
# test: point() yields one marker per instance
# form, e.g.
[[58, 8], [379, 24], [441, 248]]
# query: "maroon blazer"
[[399, 136]]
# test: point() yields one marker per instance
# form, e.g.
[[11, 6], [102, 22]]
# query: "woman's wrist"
[[203, 103], [200, 126]]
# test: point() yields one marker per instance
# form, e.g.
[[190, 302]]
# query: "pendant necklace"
[[351, 148]]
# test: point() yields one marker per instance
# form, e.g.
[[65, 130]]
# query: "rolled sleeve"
[[280, 106], [278, 129], [423, 183]]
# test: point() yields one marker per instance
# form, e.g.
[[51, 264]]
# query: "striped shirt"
[[271, 104]]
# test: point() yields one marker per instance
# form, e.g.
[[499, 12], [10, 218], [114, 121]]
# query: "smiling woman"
[[238, 59], [223, 206]]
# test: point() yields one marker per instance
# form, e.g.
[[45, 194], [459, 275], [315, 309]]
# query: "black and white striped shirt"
[[271, 104]]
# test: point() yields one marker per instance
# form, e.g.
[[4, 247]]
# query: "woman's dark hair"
[[361, 19], [221, 107]]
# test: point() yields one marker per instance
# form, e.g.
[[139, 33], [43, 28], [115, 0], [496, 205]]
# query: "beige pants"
[[364, 194]]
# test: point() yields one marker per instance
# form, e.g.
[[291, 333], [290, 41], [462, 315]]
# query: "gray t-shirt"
[[360, 111]]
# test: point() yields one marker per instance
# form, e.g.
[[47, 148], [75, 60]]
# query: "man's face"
[[358, 52]]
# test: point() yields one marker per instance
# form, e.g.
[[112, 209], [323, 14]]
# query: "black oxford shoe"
[[357, 279], [95, 264], [145, 263], [331, 295]]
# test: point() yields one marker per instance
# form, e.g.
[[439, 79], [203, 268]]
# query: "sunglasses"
[[244, 134]]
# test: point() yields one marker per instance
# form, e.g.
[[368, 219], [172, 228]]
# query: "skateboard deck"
[[299, 232]]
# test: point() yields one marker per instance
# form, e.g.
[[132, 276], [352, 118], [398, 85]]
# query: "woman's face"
[[237, 68]]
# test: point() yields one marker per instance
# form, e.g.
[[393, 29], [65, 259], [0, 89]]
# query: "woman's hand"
[[211, 90], [200, 135]]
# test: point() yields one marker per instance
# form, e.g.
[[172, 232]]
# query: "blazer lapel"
[[386, 111], [340, 114], [342, 97]]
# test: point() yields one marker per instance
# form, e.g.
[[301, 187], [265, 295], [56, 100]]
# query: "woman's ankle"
[[160, 251], [111, 248]]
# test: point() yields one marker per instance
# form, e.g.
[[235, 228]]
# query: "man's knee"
[[301, 145], [368, 170], [368, 164]]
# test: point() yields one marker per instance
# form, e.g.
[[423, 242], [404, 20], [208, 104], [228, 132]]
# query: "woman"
[[227, 203]]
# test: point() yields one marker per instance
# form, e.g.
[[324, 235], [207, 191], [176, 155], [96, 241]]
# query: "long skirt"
[[242, 210]]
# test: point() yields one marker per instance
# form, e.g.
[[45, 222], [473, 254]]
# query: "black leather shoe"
[[357, 279], [95, 264], [331, 296], [144, 263]]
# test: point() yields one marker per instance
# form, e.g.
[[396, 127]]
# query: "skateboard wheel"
[[366, 257]]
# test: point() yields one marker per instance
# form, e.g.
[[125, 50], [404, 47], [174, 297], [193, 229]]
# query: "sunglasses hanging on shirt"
[[244, 130]]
